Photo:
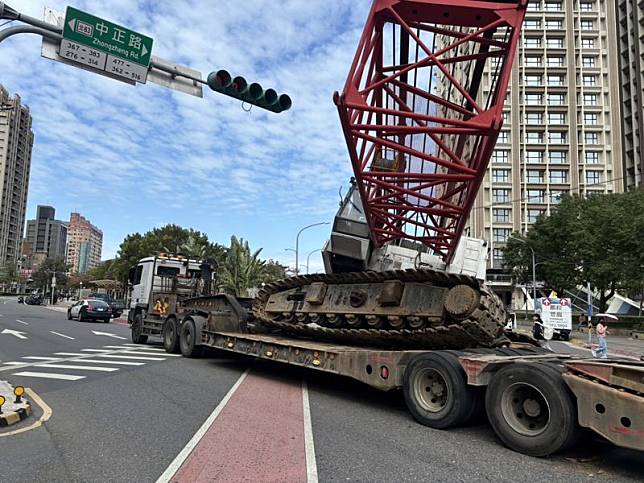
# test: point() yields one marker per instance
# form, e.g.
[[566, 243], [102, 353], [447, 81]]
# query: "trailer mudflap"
[[609, 399]]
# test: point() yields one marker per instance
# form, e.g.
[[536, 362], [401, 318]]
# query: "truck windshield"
[[168, 271]]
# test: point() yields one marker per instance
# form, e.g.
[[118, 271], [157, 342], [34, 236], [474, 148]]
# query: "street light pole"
[[534, 273], [309, 256], [297, 243]]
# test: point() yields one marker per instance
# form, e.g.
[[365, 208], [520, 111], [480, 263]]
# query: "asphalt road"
[[129, 424]]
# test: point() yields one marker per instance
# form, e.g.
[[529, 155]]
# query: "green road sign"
[[107, 37]]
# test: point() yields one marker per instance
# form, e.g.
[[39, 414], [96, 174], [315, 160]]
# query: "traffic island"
[[14, 408]]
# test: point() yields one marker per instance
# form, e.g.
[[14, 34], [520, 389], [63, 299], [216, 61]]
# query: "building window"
[[591, 138], [590, 118], [587, 25], [587, 61], [534, 6], [533, 118], [558, 177], [555, 42], [589, 80], [591, 157], [532, 42], [593, 177], [501, 156], [555, 80], [533, 80], [533, 99], [558, 157], [553, 7], [534, 137], [590, 99], [533, 215], [555, 61], [501, 215], [500, 176], [532, 23], [534, 156], [556, 99], [554, 24], [500, 235], [532, 61], [500, 196], [503, 137], [585, 7], [556, 118], [555, 196], [557, 137], [498, 255], [536, 196], [535, 176], [588, 43]]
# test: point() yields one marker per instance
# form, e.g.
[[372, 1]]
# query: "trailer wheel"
[[531, 410], [137, 330], [171, 336], [188, 340], [436, 391]]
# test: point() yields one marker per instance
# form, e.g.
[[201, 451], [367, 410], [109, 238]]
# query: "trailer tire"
[[518, 390], [188, 340], [137, 330], [436, 391], [171, 336]]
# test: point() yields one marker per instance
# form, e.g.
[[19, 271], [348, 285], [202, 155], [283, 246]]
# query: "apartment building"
[[562, 127], [46, 237], [16, 142], [631, 47], [84, 244]]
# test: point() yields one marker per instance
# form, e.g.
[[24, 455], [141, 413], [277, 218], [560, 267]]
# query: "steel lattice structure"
[[419, 126]]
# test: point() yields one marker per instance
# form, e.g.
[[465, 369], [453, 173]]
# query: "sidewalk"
[[617, 345]]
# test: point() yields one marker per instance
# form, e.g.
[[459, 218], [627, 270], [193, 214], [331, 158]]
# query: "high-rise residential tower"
[[84, 244], [562, 126], [16, 142], [631, 59], [47, 237]]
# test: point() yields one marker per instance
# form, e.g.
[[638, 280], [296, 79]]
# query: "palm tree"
[[241, 270]]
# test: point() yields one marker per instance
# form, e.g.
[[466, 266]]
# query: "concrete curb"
[[7, 418]]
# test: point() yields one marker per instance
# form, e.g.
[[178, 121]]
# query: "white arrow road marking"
[[18, 334], [79, 368], [49, 375], [62, 335], [96, 332], [21, 322]]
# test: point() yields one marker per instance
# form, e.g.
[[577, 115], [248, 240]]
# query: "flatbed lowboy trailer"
[[535, 400]]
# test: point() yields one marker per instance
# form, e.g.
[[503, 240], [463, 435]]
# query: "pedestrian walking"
[[537, 327], [602, 330]]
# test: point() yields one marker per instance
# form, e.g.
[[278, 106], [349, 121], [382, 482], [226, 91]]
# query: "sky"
[[134, 158]]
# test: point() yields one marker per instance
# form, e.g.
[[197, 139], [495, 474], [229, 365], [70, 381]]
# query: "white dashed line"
[[21, 322], [62, 335]]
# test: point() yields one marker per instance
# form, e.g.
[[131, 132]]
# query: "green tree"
[[42, 277], [240, 270], [9, 274]]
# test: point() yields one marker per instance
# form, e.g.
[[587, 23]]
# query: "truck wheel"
[[436, 390], [137, 330], [170, 336], [188, 340], [531, 410]]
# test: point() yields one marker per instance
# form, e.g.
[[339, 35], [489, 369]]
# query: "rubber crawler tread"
[[483, 328]]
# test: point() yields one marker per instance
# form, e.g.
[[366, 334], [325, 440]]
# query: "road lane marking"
[[49, 375], [108, 334], [136, 358], [309, 445], [80, 368], [73, 354], [14, 363], [185, 452], [149, 354], [21, 322], [38, 358], [46, 414], [62, 335], [16, 333], [136, 345], [123, 347], [121, 363], [94, 350]]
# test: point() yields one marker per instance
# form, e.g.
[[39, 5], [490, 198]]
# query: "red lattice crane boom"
[[421, 111]]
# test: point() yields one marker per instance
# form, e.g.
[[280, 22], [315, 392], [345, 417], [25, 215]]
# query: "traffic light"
[[222, 82]]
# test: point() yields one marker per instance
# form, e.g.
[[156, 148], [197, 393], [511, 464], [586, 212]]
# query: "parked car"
[[90, 309], [117, 306]]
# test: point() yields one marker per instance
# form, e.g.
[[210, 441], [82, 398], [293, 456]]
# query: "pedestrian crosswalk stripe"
[[141, 353], [73, 354], [136, 345], [120, 363], [154, 349], [37, 358], [136, 358], [80, 368], [15, 363], [94, 350], [49, 375]]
